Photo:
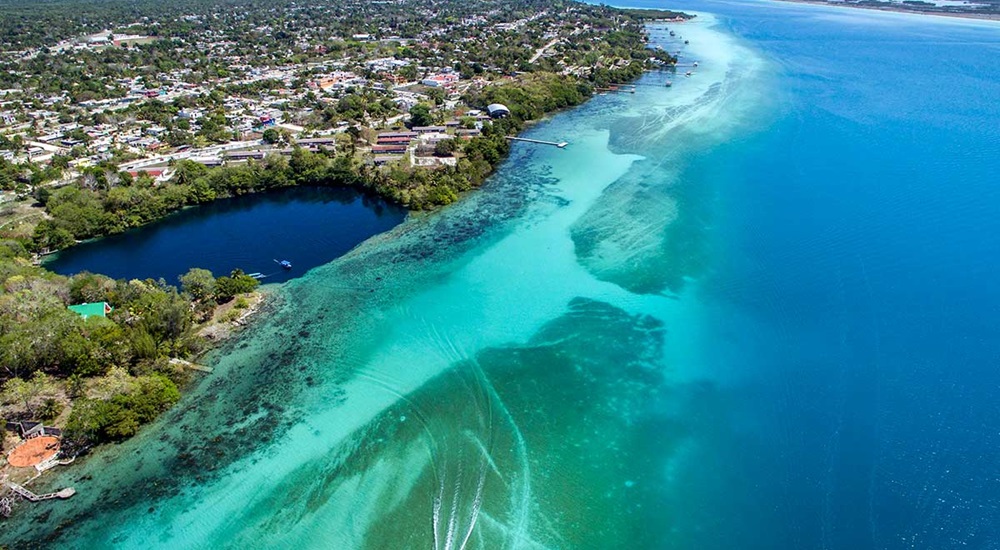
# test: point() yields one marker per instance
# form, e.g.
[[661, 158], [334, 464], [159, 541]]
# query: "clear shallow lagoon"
[[754, 310], [309, 226]]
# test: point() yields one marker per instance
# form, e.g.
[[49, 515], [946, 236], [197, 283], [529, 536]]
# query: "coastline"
[[360, 179], [893, 9], [736, 460], [256, 312], [583, 195]]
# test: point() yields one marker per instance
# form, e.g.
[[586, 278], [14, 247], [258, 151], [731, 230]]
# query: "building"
[[498, 110], [316, 142], [397, 134], [392, 140], [389, 149], [440, 80], [244, 155], [92, 309]]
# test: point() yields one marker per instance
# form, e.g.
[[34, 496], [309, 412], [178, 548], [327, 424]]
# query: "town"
[[220, 86]]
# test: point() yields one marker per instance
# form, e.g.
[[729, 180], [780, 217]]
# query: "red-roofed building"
[[400, 148]]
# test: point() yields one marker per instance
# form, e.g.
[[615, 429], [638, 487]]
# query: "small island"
[[109, 121]]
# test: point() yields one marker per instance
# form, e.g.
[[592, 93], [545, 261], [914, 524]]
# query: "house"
[[243, 155], [28, 429], [429, 129], [207, 161], [388, 149], [387, 135], [440, 80], [393, 140], [150, 172], [92, 309], [316, 142]]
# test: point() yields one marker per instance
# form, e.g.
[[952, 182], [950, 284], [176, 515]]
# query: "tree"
[[445, 147], [199, 283], [236, 283], [420, 115], [271, 136], [25, 392]]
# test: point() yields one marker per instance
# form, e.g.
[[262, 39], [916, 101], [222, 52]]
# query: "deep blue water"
[[854, 297], [306, 226]]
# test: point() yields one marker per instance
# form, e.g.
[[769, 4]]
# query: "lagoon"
[[309, 226], [753, 310]]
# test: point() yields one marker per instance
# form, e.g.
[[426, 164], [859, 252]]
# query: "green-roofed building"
[[93, 309]]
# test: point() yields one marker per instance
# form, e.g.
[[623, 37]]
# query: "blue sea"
[[755, 309]]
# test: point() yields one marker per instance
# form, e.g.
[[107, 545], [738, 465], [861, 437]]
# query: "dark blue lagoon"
[[308, 226]]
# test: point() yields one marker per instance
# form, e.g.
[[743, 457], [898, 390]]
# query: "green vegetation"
[[114, 372]]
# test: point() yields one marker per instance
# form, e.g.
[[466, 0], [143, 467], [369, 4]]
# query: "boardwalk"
[[190, 365], [64, 493], [561, 144]]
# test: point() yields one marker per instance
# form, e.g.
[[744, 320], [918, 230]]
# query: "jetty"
[[559, 144], [28, 495], [189, 365]]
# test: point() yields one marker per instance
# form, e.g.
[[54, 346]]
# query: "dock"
[[190, 365], [28, 495], [560, 144]]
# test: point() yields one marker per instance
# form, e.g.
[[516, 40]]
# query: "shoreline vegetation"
[[987, 12], [100, 378]]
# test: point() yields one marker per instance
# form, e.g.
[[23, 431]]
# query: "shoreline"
[[367, 187], [217, 333], [234, 340], [888, 8]]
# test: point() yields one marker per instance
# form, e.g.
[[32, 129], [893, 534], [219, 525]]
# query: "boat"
[[672, 33], [695, 64], [689, 73], [669, 84], [285, 264], [687, 42]]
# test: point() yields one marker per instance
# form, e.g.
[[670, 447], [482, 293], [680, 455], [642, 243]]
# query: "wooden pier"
[[28, 495], [190, 365], [561, 144]]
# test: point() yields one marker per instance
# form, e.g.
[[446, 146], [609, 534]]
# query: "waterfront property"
[[94, 309]]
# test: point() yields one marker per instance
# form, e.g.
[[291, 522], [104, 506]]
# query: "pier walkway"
[[561, 144], [189, 365], [64, 493]]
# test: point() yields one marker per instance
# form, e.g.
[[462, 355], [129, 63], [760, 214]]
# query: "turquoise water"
[[308, 226], [753, 310]]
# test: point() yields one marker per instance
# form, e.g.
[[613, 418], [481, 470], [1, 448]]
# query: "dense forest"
[[113, 373]]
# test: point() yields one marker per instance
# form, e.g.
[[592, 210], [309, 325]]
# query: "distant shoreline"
[[895, 9]]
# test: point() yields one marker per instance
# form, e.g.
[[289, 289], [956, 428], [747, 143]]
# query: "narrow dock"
[[190, 365], [561, 144], [64, 493]]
